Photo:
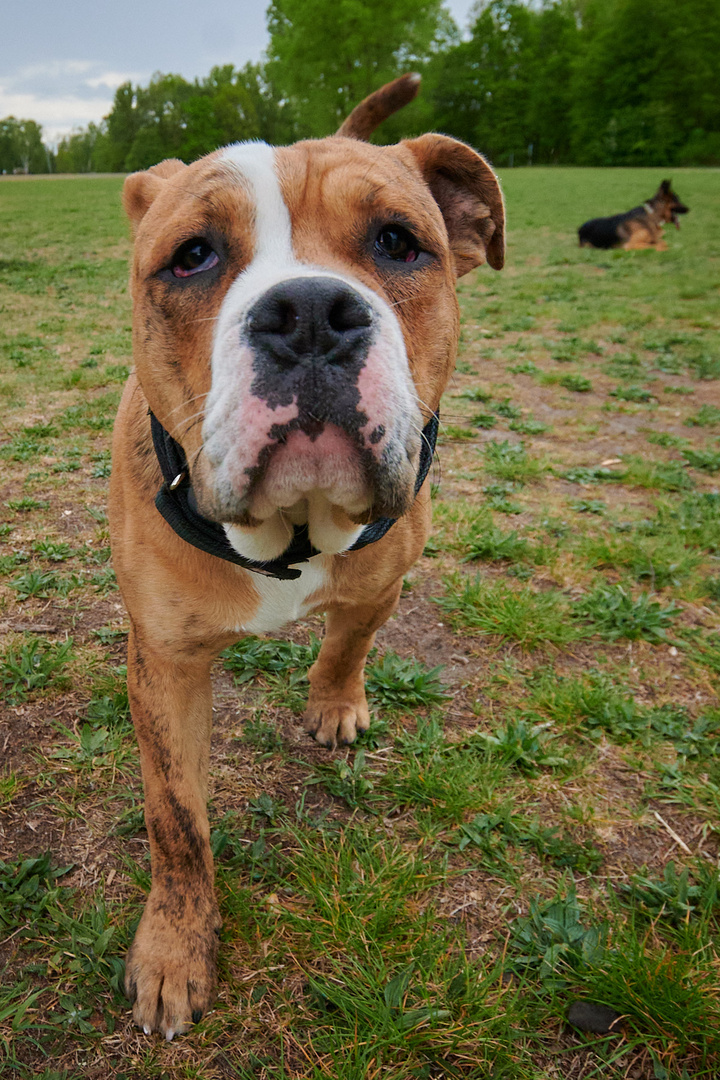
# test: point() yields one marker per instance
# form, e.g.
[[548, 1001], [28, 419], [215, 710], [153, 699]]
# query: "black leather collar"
[[176, 502]]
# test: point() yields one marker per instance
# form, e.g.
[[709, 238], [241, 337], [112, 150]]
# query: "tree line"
[[583, 82]]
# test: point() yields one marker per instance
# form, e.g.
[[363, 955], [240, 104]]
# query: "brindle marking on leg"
[[177, 839]]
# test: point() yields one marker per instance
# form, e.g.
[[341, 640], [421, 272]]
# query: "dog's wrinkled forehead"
[[317, 197]]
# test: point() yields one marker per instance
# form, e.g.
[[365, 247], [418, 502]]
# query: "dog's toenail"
[[196, 1016]]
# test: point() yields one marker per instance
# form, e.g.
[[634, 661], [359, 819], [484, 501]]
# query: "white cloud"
[[113, 79], [54, 69], [57, 115], [62, 95]]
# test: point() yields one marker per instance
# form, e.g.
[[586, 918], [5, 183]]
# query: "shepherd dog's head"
[[668, 205]]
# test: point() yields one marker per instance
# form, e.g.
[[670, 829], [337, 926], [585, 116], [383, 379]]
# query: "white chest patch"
[[282, 602]]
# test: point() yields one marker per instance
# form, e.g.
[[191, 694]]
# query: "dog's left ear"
[[469, 196], [665, 186], [142, 188]]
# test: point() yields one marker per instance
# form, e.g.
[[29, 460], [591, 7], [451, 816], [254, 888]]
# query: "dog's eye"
[[193, 257], [395, 242]]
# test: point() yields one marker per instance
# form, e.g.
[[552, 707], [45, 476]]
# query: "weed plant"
[[34, 664], [613, 613]]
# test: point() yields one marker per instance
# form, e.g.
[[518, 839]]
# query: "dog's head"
[[668, 204], [295, 322]]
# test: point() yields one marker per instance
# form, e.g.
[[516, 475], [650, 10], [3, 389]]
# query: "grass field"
[[532, 821]]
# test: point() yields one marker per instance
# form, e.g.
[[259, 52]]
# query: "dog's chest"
[[282, 602]]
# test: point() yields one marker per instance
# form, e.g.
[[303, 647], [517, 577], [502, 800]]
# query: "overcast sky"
[[62, 60]]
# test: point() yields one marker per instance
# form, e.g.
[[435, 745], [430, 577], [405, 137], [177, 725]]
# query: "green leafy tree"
[[123, 124], [21, 147], [507, 89], [555, 53], [76, 153], [645, 89], [221, 111], [162, 120], [326, 55], [596, 82], [171, 117]]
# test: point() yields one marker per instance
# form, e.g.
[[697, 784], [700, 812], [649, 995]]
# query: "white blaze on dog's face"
[[307, 296], [312, 413]]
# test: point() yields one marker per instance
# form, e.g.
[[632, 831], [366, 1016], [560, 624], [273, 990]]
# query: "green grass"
[[511, 462], [544, 705], [520, 614]]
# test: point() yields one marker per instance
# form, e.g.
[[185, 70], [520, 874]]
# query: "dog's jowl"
[[294, 327]]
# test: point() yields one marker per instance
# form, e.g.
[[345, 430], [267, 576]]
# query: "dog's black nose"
[[310, 320]]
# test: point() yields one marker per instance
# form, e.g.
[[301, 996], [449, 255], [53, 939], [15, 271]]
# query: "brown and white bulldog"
[[295, 324]]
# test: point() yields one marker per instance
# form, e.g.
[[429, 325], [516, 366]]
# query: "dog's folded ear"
[[469, 196], [142, 188]]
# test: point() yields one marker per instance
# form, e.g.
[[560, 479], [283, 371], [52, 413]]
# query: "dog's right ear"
[[142, 188]]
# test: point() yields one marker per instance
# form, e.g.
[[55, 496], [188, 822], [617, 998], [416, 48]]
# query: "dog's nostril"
[[279, 317], [348, 313]]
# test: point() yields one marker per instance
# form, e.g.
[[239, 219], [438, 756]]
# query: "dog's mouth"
[[303, 468], [327, 481], [674, 211]]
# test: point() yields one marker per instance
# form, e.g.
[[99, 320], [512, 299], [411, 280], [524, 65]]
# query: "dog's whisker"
[[187, 419], [407, 300], [195, 457], [430, 411], [184, 404], [197, 420], [419, 431], [186, 426]]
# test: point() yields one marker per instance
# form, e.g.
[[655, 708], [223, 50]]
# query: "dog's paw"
[[170, 971], [336, 723]]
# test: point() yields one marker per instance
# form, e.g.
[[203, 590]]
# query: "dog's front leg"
[[170, 969], [337, 707]]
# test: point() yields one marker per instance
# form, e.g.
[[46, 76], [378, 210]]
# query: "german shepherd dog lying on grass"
[[640, 227]]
